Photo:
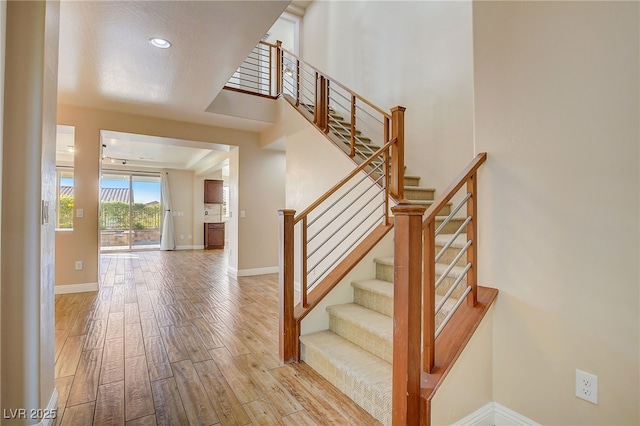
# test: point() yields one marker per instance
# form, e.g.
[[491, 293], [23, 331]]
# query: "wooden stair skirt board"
[[356, 353]]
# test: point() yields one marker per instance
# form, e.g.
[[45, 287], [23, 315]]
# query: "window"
[[65, 149], [64, 205]]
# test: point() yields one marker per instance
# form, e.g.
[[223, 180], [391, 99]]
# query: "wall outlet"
[[587, 386], [79, 212], [79, 265]]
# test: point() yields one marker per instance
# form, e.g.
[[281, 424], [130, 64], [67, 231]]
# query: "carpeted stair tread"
[[374, 294], [419, 188], [364, 377], [382, 288], [355, 360], [443, 239], [371, 321], [386, 260], [455, 271]]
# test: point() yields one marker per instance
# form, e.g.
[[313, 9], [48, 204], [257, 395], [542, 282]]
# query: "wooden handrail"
[[451, 190], [334, 81], [340, 184]]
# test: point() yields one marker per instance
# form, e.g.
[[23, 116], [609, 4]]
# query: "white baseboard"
[[235, 273], [75, 288], [190, 247], [506, 417], [50, 413], [495, 414], [258, 271]]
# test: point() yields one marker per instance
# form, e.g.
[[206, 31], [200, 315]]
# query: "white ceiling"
[[106, 62]]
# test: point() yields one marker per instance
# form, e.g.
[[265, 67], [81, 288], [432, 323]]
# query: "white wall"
[[29, 131], [415, 54], [556, 108]]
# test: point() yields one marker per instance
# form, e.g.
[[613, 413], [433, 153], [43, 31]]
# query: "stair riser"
[[451, 254], [369, 398], [384, 272], [447, 283], [451, 227], [375, 344], [373, 301], [411, 181], [419, 194]]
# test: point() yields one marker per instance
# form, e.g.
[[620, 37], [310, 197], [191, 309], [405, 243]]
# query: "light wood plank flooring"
[[171, 339]]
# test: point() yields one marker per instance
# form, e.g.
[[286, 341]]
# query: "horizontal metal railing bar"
[[333, 219], [344, 238], [453, 287], [333, 81], [453, 311], [346, 179], [335, 102], [445, 274], [374, 224], [361, 122], [341, 226], [248, 88], [358, 107], [342, 197], [256, 60], [452, 189], [453, 212], [337, 92], [250, 78], [251, 72], [452, 239]]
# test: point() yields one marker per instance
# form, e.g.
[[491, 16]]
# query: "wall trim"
[[235, 273], [52, 407], [483, 416], [505, 417], [495, 414], [258, 271], [75, 288], [190, 247]]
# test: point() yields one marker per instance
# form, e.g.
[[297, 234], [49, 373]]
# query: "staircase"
[[355, 353]]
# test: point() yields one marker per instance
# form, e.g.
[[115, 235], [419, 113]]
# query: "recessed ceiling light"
[[160, 42]]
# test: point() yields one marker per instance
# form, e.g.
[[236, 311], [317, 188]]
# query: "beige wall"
[[181, 186], [415, 54], [28, 155], [3, 29], [556, 108], [469, 385], [260, 190]]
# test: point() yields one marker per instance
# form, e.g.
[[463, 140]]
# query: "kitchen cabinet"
[[213, 191], [213, 235]]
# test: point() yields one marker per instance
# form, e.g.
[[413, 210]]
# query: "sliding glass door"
[[130, 211]]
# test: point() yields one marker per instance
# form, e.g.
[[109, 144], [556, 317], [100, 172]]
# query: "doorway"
[[130, 211]]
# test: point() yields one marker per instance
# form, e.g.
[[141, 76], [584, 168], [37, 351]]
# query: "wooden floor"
[[171, 339]]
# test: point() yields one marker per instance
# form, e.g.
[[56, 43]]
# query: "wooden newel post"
[[288, 335], [279, 66], [322, 106], [407, 318], [397, 153]]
